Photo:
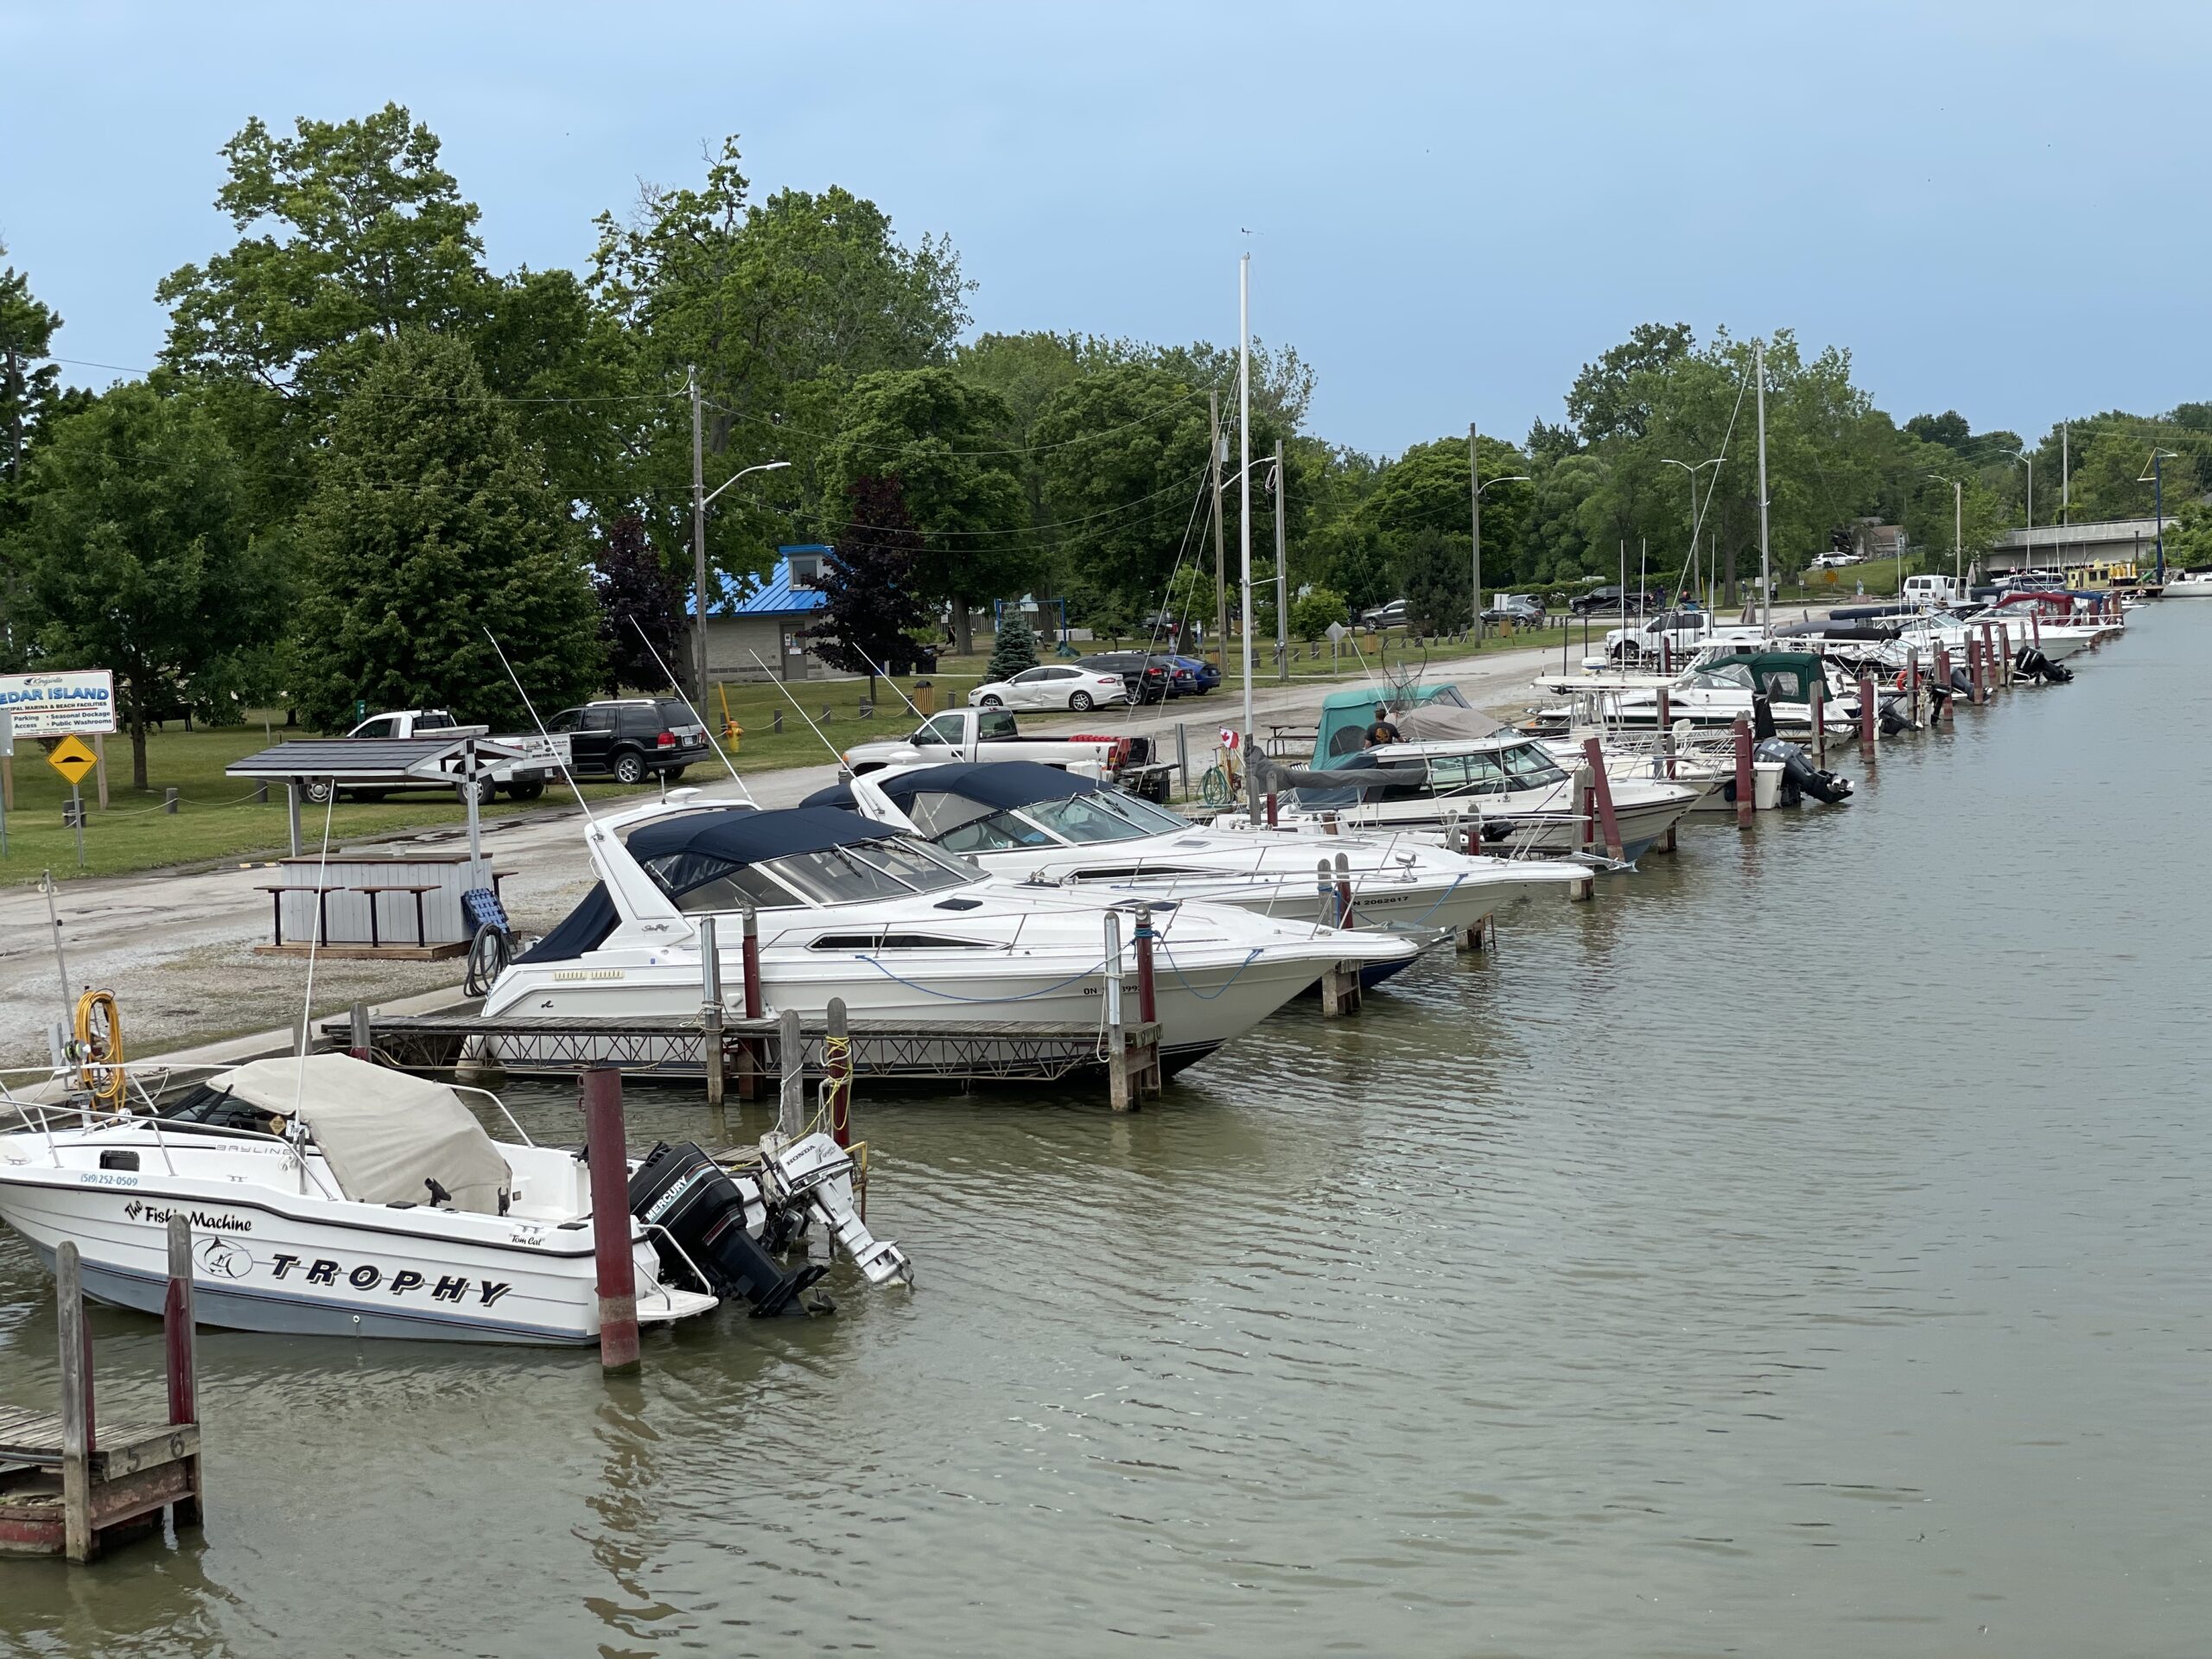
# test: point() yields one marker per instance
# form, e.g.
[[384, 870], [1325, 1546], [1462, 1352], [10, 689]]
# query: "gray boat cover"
[[1439, 722], [385, 1134]]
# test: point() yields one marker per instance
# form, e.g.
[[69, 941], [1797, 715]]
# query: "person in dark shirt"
[[1381, 731]]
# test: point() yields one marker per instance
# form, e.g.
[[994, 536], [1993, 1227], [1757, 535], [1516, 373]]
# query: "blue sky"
[[1997, 207]]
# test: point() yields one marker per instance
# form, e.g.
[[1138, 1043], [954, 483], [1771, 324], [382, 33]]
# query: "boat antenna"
[[835, 751], [307, 1011], [696, 713], [531, 709], [893, 683]]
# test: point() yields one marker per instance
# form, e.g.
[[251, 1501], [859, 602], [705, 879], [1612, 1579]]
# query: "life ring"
[[99, 1047]]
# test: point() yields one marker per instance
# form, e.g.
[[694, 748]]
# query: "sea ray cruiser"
[[331, 1197], [1037, 823], [1720, 688], [904, 931]]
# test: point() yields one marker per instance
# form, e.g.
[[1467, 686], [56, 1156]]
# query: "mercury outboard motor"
[[2032, 663], [1800, 777], [1961, 682], [713, 1221]]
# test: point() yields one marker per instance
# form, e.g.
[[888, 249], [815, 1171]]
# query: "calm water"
[[1800, 1251]]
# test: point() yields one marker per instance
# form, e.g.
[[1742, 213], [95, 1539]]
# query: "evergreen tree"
[[1015, 652], [869, 582], [433, 523]]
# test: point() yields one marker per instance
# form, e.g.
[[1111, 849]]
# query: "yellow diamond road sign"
[[71, 760]]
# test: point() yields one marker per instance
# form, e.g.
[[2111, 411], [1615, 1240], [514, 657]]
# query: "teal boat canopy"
[[1345, 715], [1778, 675]]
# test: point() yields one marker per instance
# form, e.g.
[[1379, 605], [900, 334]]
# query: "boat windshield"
[[844, 875], [1105, 816], [1495, 772]]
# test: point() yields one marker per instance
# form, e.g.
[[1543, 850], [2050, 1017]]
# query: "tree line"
[[364, 455]]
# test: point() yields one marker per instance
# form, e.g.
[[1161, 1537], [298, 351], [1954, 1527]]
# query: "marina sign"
[[55, 704]]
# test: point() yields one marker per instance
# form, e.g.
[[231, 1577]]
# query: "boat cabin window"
[[994, 832], [1722, 676], [921, 867], [699, 883]]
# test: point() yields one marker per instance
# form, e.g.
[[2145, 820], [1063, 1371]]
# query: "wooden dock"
[[73, 1485]]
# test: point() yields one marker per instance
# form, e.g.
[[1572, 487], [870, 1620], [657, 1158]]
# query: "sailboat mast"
[[1244, 474], [1766, 562]]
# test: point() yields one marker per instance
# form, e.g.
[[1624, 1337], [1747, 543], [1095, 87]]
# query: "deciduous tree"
[[640, 607], [135, 556], [870, 582]]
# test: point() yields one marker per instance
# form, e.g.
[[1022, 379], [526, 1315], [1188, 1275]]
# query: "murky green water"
[[1801, 1250]]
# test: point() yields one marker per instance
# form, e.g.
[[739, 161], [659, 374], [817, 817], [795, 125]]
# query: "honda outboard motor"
[[712, 1222], [1800, 777], [816, 1173]]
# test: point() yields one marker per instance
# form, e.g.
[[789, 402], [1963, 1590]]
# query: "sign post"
[[7, 777], [72, 760]]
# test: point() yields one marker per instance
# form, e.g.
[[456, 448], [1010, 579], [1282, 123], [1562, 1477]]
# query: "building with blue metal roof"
[[756, 629]]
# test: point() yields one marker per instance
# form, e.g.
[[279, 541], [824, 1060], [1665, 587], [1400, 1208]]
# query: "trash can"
[[925, 697]]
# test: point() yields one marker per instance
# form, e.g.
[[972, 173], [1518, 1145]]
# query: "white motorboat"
[[2188, 584], [904, 932], [1718, 689], [331, 1197], [1504, 791], [1037, 823]]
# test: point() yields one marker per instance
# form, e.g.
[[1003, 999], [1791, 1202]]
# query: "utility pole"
[[698, 548], [1766, 558], [1475, 490], [1282, 572], [1214, 458]]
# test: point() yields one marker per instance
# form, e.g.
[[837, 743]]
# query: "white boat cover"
[[383, 1133]]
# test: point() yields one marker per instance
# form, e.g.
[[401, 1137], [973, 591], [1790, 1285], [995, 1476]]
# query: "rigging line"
[[827, 437], [401, 397], [835, 754], [696, 713], [1027, 530], [532, 709]]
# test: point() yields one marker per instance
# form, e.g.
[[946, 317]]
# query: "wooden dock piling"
[[66, 1487], [1746, 781], [710, 1009], [1868, 719], [1601, 787], [837, 1064], [791, 1049], [1816, 711], [607, 1152]]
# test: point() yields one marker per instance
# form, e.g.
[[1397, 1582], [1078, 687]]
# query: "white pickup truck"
[[1673, 637], [990, 734], [525, 762]]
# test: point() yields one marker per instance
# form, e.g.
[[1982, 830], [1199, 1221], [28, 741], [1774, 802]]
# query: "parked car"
[[1836, 561], [1056, 685], [1392, 615], [632, 739], [1205, 675], [1522, 610], [1614, 598], [1147, 678]]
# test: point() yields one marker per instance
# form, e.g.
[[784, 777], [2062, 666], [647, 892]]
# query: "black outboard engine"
[[1800, 777], [2032, 663], [1961, 682], [1892, 718], [712, 1222]]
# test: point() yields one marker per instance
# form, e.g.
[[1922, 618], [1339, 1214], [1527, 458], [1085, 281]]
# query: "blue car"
[[1203, 675]]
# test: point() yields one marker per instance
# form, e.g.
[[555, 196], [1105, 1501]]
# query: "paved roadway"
[[177, 946]]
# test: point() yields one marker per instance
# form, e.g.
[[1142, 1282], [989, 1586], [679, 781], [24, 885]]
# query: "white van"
[[1932, 590]]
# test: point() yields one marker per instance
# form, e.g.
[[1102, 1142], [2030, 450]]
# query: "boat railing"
[[521, 1134]]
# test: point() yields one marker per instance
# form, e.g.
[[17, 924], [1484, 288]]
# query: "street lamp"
[[2159, 502], [702, 498], [1958, 524], [1476, 486], [1693, 472]]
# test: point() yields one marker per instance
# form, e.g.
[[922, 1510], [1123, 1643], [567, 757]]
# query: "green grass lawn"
[[219, 819]]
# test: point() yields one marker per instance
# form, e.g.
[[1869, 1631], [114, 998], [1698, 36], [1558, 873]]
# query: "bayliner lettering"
[[448, 1288], [202, 1220]]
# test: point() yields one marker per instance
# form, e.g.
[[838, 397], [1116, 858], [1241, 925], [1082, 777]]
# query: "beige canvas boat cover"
[[1432, 721], [385, 1134]]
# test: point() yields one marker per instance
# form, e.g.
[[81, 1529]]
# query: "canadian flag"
[[1230, 740]]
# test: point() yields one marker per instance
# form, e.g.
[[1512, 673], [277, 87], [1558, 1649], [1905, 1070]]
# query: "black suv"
[[1149, 679], [630, 738]]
